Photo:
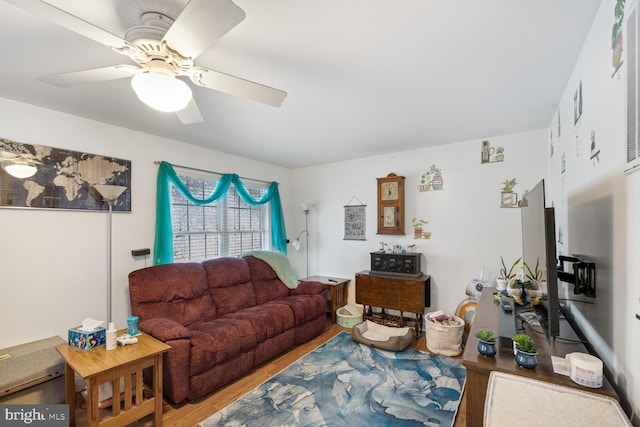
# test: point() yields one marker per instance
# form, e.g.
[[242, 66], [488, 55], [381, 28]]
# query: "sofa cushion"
[[216, 341], [268, 319], [305, 307], [179, 292], [265, 281], [229, 284]]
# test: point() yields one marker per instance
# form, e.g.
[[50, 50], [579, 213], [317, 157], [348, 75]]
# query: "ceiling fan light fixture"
[[161, 92], [20, 169]]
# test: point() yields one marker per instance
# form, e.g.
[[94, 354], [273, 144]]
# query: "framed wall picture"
[[355, 222], [63, 179]]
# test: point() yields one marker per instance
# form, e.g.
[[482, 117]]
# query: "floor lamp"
[[296, 243], [110, 194]]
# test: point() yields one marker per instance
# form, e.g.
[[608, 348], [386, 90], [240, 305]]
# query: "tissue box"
[[87, 340]]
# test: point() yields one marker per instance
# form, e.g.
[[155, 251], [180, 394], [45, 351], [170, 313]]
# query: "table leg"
[[333, 303], [92, 403], [157, 390], [70, 393]]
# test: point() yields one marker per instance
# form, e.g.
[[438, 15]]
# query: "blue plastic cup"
[[132, 325]]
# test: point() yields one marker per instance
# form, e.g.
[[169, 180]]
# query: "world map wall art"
[[64, 179]]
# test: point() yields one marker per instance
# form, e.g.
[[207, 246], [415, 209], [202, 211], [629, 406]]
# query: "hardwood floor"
[[189, 414]]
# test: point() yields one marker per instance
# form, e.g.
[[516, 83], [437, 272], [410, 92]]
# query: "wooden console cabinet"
[[479, 367], [393, 292]]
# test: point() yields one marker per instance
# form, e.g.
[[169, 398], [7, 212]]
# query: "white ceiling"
[[363, 77]]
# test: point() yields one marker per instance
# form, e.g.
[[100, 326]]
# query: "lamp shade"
[[109, 192], [20, 169], [296, 244], [161, 92]]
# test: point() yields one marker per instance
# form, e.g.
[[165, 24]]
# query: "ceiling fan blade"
[[90, 76], [200, 24], [191, 114], [70, 22], [236, 86]]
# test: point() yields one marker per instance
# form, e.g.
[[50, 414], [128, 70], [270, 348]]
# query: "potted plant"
[[417, 227], [506, 276], [486, 342], [526, 351], [436, 180], [534, 277], [507, 185], [499, 154]]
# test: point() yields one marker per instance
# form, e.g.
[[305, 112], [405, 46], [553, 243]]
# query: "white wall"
[[53, 263], [469, 229], [596, 192]]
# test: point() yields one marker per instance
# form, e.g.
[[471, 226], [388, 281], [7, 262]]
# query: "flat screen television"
[[539, 246]]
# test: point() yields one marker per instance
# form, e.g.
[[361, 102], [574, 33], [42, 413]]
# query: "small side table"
[[100, 366], [338, 289]]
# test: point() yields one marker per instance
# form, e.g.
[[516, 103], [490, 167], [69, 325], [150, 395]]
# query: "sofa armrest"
[[165, 329], [309, 288]]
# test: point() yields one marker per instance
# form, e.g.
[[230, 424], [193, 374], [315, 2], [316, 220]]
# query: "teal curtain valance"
[[163, 247]]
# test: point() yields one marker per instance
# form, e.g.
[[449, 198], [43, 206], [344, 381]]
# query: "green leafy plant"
[[486, 335], [508, 274], [534, 275], [617, 24], [418, 222], [499, 150], [430, 174], [518, 284], [525, 343], [508, 184]]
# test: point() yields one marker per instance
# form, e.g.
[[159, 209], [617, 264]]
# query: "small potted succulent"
[[486, 342], [526, 351]]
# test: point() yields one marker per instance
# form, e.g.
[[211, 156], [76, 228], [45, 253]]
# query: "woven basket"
[[442, 339]]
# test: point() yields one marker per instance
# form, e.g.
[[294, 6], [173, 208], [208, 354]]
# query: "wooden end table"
[[100, 366], [338, 289]]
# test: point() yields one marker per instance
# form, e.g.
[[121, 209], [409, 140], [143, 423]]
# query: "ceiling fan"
[[163, 50]]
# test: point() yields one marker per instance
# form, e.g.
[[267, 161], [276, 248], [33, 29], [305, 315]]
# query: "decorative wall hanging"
[[559, 126], [355, 221], [418, 229], [595, 153], [508, 199], [431, 180], [59, 178], [616, 37], [577, 104], [489, 154]]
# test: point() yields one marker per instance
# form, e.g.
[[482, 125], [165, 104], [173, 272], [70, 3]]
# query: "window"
[[227, 227]]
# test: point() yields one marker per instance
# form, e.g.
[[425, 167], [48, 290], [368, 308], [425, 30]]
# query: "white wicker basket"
[[443, 339]]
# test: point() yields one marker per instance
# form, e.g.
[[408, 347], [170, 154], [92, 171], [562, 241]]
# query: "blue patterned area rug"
[[344, 383]]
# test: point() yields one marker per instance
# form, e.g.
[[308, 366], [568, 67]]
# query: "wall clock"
[[391, 204]]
